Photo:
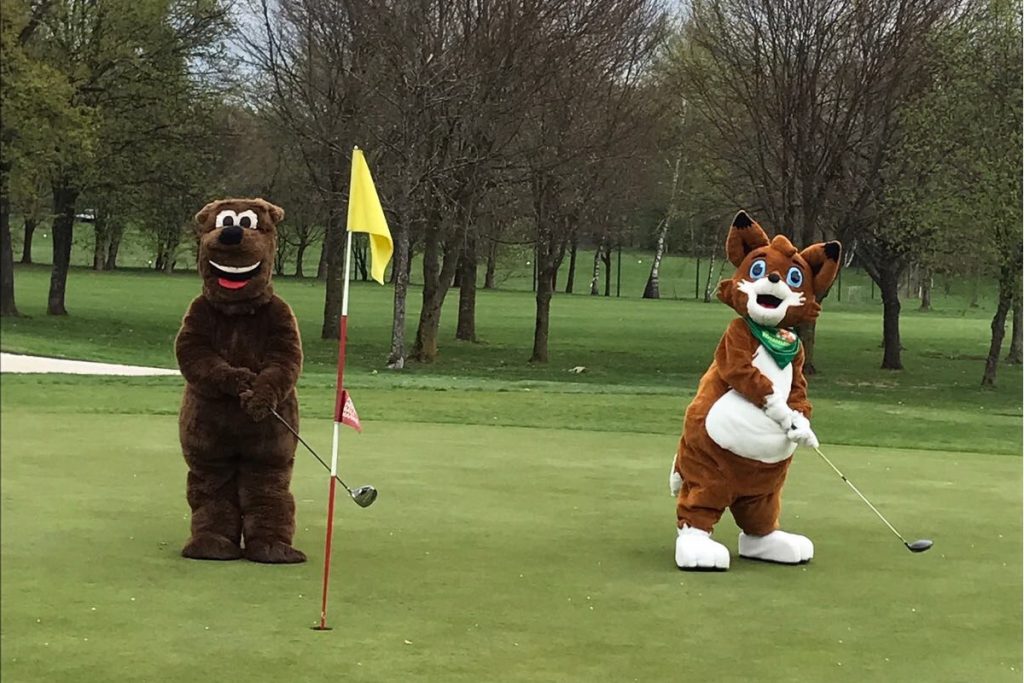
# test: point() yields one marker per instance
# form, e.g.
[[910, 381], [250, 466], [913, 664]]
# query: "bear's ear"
[[744, 237], [823, 258], [275, 211], [205, 213]]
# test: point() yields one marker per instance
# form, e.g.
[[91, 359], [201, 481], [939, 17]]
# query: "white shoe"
[[695, 551], [778, 546]]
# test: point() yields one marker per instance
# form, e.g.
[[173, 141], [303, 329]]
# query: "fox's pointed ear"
[[744, 236], [823, 258]]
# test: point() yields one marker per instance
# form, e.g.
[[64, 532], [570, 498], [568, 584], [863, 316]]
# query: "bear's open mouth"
[[768, 301], [234, 277]]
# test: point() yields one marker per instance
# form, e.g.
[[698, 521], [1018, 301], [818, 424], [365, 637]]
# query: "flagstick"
[[339, 406]]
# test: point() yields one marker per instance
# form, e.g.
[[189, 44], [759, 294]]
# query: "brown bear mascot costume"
[[240, 354], [751, 409]]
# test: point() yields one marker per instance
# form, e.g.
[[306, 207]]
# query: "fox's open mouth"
[[768, 301], [234, 277]]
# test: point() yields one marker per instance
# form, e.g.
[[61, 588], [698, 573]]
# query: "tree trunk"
[[26, 249], [169, 261], [542, 323], [64, 198], [492, 264], [321, 267], [652, 289], [334, 248], [466, 327], [300, 253], [696, 280], [889, 286], [7, 306], [101, 244], [570, 280], [1007, 289], [400, 272], [708, 291], [439, 268], [596, 272], [806, 333], [113, 245], [925, 289], [359, 251], [1016, 348], [606, 259]]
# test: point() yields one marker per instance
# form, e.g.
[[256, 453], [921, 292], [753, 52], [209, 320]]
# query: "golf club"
[[918, 546], [363, 496]]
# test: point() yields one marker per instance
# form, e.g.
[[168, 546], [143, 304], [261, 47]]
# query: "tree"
[[121, 62], [36, 113], [799, 96], [954, 173]]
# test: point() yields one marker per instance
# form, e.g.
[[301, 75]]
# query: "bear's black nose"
[[774, 277], [232, 234]]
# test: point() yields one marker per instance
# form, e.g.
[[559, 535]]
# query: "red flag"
[[349, 416]]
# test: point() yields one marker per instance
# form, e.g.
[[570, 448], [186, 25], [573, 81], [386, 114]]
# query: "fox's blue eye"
[[794, 278], [757, 269]]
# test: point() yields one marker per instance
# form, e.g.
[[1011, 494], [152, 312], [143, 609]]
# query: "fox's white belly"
[[739, 426]]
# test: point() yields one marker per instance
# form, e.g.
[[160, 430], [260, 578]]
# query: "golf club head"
[[364, 496], [919, 546]]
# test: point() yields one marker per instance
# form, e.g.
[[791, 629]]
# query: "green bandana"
[[781, 343]]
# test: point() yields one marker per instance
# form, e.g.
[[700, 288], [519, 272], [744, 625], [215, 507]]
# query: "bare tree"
[[801, 97]]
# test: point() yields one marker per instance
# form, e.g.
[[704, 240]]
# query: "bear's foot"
[[211, 547], [695, 551], [272, 552], [778, 546]]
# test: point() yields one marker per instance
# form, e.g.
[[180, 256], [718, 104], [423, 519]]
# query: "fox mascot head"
[[775, 285]]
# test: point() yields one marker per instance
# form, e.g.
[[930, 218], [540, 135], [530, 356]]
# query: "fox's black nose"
[[232, 234], [774, 277]]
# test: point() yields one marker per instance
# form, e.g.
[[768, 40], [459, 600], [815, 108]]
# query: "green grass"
[[524, 530], [493, 553]]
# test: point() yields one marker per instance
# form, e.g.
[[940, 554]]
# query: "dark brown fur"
[[240, 354]]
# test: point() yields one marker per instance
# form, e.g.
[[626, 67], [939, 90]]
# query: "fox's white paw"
[[695, 551], [778, 546], [801, 432], [675, 482]]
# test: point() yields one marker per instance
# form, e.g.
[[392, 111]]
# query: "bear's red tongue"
[[231, 284]]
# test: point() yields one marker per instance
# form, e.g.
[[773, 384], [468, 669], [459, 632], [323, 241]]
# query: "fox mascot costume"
[[751, 409]]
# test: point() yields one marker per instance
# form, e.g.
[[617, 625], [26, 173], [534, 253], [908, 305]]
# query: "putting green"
[[497, 554]]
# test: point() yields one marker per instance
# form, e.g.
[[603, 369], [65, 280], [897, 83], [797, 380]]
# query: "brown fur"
[[714, 478], [240, 353]]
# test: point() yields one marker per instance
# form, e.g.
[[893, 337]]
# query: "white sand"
[[10, 362]]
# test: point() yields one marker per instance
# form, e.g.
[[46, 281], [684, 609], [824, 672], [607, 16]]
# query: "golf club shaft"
[[873, 508], [309, 448]]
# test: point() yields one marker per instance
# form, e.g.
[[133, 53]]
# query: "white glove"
[[800, 431], [775, 407]]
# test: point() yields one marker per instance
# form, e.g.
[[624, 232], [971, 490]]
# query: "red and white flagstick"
[[339, 408]]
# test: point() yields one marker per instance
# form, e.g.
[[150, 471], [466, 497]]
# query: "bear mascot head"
[[237, 246]]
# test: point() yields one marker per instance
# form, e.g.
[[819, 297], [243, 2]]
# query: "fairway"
[[524, 529]]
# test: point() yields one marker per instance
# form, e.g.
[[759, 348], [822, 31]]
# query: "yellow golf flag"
[[366, 215]]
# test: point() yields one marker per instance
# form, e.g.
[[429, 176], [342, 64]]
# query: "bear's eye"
[[226, 219], [794, 278], [247, 219], [757, 269]]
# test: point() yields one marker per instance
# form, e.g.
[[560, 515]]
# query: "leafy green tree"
[[953, 201]]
